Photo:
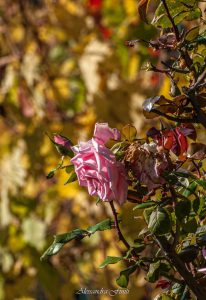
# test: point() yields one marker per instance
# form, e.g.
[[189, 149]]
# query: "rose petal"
[[104, 133]]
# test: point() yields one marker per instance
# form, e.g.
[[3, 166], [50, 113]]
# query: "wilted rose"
[[147, 164], [97, 168]]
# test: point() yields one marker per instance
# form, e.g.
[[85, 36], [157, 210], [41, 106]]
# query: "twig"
[[175, 119], [175, 69], [176, 31], [198, 82]]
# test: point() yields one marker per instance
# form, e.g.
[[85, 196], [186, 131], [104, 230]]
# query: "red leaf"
[[94, 5], [182, 142], [168, 139], [106, 32], [163, 284]]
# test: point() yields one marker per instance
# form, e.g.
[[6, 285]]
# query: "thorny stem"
[[120, 235], [195, 287], [170, 252]]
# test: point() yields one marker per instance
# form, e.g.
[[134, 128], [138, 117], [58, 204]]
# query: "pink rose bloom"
[[97, 168]]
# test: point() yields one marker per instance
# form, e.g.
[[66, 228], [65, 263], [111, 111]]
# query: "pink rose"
[[97, 168]]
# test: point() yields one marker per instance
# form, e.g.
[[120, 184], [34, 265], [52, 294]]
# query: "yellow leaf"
[[130, 7], [133, 67], [62, 86], [17, 33], [165, 88]]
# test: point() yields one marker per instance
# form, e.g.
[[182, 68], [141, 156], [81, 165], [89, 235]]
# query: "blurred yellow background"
[[63, 66]]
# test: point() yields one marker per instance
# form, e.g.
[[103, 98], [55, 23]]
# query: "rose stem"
[[121, 237]]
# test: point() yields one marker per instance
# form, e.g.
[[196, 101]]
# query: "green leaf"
[[165, 297], [183, 174], [156, 270], [178, 289], [104, 225], [145, 205], [52, 250], [69, 169], [182, 209], [192, 33], [189, 253], [190, 226], [201, 230], [129, 132], [116, 149], [65, 151], [201, 240], [139, 245], [159, 221], [198, 205], [61, 239], [98, 200], [190, 189], [110, 260], [72, 178], [123, 279], [171, 177], [143, 231], [51, 173], [186, 295], [147, 212], [67, 237], [179, 10], [201, 182]]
